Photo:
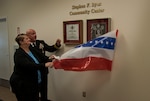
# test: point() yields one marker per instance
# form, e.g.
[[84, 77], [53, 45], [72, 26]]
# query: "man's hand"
[[53, 57], [58, 42]]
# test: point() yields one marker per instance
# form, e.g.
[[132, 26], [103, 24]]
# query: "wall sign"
[[88, 8]]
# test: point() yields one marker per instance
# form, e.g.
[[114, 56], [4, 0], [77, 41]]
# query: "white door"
[[4, 50]]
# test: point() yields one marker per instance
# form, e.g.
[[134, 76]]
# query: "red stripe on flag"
[[83, 64], [116, 32]]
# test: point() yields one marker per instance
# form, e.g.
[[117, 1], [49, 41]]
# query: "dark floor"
[[6, 94]]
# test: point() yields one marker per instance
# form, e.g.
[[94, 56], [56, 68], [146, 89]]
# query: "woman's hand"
[[49, 64]]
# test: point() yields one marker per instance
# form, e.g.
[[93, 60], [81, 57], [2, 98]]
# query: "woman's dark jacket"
[[25, 70]]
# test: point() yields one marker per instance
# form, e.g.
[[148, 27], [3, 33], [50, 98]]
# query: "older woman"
[[26, 78]]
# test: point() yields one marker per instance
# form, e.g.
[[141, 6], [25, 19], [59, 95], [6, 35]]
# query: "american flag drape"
[[96, 54]]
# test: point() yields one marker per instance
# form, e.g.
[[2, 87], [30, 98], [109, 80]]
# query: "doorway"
[[5, 68]]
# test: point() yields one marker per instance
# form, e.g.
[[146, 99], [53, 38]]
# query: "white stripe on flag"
[[83, 52]]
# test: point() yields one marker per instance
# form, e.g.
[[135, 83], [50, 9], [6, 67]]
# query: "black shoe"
[[46, 100], [49, 100]]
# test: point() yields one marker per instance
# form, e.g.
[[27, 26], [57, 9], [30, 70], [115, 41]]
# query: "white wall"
[[129, 79]]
